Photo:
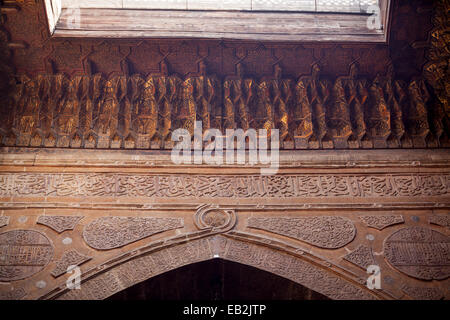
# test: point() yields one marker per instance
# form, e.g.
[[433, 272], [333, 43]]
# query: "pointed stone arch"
[[139, 265]]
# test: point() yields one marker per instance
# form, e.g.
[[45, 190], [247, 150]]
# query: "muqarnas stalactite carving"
[[141, 112]]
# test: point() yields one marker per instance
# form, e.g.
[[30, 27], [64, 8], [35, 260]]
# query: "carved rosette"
[[419, 252], [69, 258], [23, 253], [59, 223], [214, 218], [323, 232], [114, 232], [361, 256], [380, 222]]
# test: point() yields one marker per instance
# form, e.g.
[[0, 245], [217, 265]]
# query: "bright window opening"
[[354, 6], [268, 20]]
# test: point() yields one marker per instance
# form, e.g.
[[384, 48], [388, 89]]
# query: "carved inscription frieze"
[[114, 232], [23, 253], [59, 223], [380, 222], [222, 186], [69, 258], [419, 252], [324, 232]]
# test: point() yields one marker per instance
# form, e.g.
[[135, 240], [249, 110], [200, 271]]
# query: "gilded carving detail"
[[141, 112]]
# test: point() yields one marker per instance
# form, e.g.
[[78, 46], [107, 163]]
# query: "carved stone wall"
[[322, 230], [86, 179]]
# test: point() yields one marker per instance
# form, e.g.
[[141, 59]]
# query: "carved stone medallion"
[[215, 218], [23, 253], [59, 223], [419, 252], [381, 222], [324, 232], [114, 232]]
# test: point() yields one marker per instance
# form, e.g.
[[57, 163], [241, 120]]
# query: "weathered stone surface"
[[422, 293], [324, 232], [443, 221], [4, 220], [59, 223], [23, 253], [69, 258], [361, 256], [222, 186], [113, 232], [380, 222], [15, 294], [419, 252]]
